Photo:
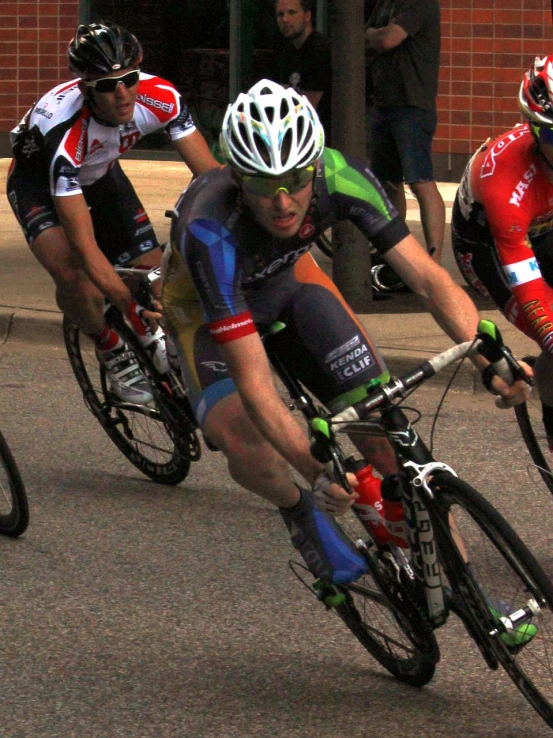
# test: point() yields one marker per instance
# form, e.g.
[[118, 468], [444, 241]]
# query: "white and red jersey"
[[61, 134], [505, 188]]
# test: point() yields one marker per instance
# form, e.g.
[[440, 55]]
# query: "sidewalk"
[[405, 332]]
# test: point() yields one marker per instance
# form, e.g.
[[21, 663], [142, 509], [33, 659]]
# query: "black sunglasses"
[[109, 84]]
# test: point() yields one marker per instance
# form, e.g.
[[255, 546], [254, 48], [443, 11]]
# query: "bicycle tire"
[[141, 432], [502, 571], [398, 637], [14, 505], [532, 431]]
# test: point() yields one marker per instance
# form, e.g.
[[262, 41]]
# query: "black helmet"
[[102, 48]]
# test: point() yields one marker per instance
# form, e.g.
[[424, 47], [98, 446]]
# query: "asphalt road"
[[132, 610]]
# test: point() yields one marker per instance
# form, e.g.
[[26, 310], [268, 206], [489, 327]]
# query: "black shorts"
[[122, 228]]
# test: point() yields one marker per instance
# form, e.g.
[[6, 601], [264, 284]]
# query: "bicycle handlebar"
[[490, 347]]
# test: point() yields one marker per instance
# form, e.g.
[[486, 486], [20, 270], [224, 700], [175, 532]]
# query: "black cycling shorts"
[[122, 228]]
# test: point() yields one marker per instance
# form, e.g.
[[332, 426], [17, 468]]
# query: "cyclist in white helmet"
[[240, 261]]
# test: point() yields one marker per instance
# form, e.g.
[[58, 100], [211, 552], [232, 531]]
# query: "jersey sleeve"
[[163, 107], [209, 249], [359, 197], [66, 157], [509, 213]]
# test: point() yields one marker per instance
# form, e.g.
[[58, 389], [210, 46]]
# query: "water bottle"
[[369, 502], [393, 513]]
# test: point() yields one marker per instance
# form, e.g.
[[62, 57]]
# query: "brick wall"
[[486, 46], [33, 41]]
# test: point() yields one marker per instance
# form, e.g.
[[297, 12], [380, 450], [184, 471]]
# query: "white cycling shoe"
[[155, 344], [125, 377]]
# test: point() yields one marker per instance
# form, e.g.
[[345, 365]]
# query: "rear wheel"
[[502, 579], [389, 625], [14, 507], [146, 434]]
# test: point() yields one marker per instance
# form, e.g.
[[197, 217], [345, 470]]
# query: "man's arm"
[[195, 153], [449, 305], [77, 224], [386, 38], [250, 370]]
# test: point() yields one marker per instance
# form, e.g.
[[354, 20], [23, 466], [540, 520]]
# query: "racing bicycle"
[[159, 438], [462, 556]]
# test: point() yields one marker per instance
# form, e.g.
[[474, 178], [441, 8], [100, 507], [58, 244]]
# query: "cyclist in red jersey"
[[502, 223], [78, 210]]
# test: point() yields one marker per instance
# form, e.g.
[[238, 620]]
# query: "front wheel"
[[14, 507], [529, 421], [494, 577], [143, 433]]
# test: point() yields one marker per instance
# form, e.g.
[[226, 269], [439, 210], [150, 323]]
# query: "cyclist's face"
[[118, 106], [293, 21], [282, 214]]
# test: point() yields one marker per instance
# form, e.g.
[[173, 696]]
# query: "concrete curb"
[[20, 325], [24, 327]]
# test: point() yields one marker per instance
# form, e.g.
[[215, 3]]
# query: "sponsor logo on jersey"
[[144, 229], [229, 329], [46, 113], [465, 265], [146, 246], [351, 363], [290, 258], [95, 146], [29, 148], [344, 348], [306, 231], [215, 366], [523, 185], [158, 104], [141, 216], [522, 272], [488, 166], [123, 258]]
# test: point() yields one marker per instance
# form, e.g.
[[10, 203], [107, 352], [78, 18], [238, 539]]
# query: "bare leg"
[[76, 296], [252, 461], [432, 210]]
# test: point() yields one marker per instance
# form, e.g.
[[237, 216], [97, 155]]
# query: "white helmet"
[[271, 130]]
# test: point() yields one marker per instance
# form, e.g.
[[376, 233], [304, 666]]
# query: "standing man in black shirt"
[[305, 62], [403, 39]]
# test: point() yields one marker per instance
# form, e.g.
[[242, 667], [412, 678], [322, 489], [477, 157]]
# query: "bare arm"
[[450, 306], [386, 38], [250, 370], [77, 224], [195, 153]]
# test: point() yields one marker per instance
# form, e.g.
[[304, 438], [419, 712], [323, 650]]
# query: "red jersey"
[[505, 186]]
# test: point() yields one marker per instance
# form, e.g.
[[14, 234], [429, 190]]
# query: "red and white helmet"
[[536, 92]]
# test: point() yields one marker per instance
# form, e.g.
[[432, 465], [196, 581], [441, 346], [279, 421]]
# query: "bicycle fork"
[[418, 465]]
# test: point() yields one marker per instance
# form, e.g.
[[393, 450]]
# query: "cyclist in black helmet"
[[77, 208]]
